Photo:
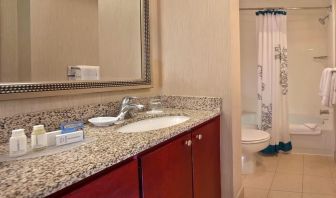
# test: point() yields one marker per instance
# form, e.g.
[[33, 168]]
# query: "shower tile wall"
[[306, 38]]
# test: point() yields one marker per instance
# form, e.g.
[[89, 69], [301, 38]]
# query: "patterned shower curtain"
[[272, 74]]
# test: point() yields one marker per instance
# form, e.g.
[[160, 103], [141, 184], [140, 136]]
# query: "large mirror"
[[48, 45]]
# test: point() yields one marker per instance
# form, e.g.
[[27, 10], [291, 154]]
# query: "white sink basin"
[[152, 124]]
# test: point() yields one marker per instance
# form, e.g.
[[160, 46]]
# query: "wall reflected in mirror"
[[62, 40]]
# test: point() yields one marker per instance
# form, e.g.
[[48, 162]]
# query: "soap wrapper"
[[51, 137], [71, 127], [69, 138]]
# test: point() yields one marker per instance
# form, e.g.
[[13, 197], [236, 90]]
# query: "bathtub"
[[320, 144]]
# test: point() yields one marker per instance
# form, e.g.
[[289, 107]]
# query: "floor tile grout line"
[[328, 166], [304, 162], [274, 175], [301, 193], [286, 191]]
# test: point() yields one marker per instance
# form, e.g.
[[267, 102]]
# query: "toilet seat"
[[253, 136], [253, 141]]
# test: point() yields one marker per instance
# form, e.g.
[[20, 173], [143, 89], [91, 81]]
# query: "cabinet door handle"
[[188, 143], [199, 136]]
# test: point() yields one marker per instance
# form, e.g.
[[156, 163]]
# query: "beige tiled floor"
[[292, 176]]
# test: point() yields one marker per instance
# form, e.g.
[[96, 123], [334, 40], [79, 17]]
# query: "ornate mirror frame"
[[41, 89]]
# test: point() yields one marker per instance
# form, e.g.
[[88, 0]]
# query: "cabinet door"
[[122, 182], [206, 160], [167, 171]]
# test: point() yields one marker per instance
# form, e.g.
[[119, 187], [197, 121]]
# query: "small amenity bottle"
[[18, 143], [38, 138]]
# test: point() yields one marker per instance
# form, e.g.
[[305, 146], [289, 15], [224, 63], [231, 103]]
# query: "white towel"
[[323, 80], [84, 72], [303, 129], [332, 100], [325, 86], [311, 126]]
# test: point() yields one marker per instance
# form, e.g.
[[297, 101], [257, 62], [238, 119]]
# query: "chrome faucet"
[[128, 108]]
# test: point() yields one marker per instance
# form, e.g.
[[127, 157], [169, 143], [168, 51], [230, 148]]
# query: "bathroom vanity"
[[178, 161], [187, 165]]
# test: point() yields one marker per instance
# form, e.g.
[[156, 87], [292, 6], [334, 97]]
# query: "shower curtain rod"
[[290, 8]]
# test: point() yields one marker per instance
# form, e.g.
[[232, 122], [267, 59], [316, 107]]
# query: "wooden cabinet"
[[206, 160], [166, 171], [186, 167], [122, 182]]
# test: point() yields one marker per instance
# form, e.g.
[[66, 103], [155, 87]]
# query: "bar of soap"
[[51, 137], [69, 138]]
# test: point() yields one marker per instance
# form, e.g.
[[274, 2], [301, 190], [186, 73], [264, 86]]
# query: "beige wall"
[[9, 46], [304, 71], [200, 56], [332, 35], [24, 47], [332, 54], [14, 41], [119, 39], [8, 108], [55, 24]]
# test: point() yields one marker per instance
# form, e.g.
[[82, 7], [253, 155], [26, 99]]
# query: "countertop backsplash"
[[53, 118], [191, 102]]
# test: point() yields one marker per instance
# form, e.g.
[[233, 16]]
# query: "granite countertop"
[[43, 176]]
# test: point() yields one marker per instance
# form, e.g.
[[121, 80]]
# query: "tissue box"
[[83, 72]]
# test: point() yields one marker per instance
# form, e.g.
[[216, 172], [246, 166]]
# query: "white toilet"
[[253, 141]]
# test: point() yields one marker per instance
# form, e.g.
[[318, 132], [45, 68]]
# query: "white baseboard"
[[310, 151]]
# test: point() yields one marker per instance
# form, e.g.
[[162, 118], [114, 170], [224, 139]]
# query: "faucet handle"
[[132, 97], [127, 99]]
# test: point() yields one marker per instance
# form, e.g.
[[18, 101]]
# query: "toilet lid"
[[253, 135]]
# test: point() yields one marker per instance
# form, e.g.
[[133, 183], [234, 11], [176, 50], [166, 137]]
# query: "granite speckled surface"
[[191, 102], [51, 119], [42, 176]]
